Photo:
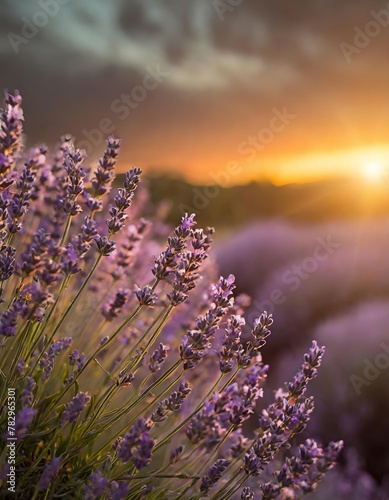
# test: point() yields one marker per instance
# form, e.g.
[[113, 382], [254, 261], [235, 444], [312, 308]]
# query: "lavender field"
[[194, 224], [118, 380], [341, 300]]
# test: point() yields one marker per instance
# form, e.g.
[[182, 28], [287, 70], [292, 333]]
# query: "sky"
[[223, 91]]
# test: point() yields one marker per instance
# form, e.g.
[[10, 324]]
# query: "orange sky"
[[283, 91]]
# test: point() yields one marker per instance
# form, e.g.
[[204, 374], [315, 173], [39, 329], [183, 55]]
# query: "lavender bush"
[[128, 372]]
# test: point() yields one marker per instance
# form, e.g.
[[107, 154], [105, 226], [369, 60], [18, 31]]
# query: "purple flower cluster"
[[49, 474], [11, 128], [129, 246], [122, 200], [168, 260], [214, 474], [98, 485], [199, 338], [103, 176], [19, 202], [131, 406], [28, 393], [9, 318], [229, 409], [301, 473], [112, 309], [173, 403], [72, 164], [74, 408], [7, 262], [158, 357], [48, 358], [232, 348], [137, 444], [145, 296]]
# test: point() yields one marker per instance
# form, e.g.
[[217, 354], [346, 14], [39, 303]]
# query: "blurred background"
[[270, 121]]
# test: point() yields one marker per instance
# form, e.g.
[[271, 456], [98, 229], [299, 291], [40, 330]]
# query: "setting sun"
[[373, 171]]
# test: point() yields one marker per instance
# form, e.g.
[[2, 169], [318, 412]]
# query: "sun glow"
[[373, 171]]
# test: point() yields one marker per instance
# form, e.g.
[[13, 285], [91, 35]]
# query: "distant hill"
[[237, 205]]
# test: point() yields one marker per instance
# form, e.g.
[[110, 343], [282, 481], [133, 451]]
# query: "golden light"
[[373, 171]]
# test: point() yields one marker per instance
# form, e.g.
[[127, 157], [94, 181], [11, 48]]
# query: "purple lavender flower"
[[303, 471], [231, 346], [49, 474], [73, 356], [123, 200], [205, 426], [72, 164], [173, 403], [48, 358], [175, 454], [117, 490], [198, 339], [308, 371], [95, 486], [9, 318], [4, 200], [157, 358], [239, 444], [104, 245], [185, 276], [252, 464], [11, 128], [103, 176], [247, 494], [167, 260], [111, 310], [214, 474], [82, 242], [50, 274], [28, 393], [260, 330], [70, 263], [80, 361], [130, 243], [19, 203], [74, 408], [7, 262], [31, 259], [145, 296], [137, 444], [36, 299]]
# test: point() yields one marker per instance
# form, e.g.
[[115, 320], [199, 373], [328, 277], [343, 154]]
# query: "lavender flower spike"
[[137, 444], [74, 408], [50, 472], [214, 474], [123, 200]]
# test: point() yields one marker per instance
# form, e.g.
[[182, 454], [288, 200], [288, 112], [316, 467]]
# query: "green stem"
[[66, 230], [75, 298]]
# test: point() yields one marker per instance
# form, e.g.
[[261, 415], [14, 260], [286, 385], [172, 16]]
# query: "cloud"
[[224, 77]]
